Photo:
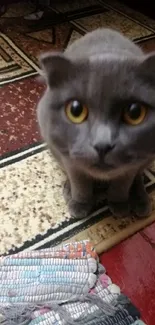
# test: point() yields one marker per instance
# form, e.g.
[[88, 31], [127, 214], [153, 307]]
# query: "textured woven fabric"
[[59, 286]]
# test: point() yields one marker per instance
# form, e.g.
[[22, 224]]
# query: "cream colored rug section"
[[31, 199]]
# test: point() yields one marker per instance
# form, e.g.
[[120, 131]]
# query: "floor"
[[131, 265]]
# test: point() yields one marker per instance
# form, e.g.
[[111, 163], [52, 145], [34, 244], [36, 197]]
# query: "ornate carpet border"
[[15, 64]]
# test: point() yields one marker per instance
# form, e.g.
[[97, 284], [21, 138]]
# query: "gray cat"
[[98, 118]]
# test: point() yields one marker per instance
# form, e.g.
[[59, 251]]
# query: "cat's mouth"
[[109, 163], [102, 166], [104, 171]]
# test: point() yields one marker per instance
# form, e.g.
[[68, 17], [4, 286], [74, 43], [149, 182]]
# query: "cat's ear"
[[147, 68], [56, 68]]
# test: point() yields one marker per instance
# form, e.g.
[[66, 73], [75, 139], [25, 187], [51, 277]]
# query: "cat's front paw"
[[79, 210], [141, 205], [120, 209]]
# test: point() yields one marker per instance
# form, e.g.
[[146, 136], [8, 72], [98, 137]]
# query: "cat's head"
[[100, 112]]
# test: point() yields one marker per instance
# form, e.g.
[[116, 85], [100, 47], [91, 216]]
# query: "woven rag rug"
[[33, 213], [61, 286]]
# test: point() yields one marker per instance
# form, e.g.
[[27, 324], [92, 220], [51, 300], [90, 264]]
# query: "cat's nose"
[[103, 149]]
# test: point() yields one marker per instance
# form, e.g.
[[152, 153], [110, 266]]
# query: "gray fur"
[[105, 71]]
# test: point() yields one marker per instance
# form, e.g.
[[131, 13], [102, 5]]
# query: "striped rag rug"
[[58, 286]]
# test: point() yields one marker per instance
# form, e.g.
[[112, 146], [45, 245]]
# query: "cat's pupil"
[[76, 108], [134, 111]]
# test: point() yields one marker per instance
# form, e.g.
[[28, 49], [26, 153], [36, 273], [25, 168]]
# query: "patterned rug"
[[33, 213]]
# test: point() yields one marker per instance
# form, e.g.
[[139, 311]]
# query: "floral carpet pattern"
[[33, 213]]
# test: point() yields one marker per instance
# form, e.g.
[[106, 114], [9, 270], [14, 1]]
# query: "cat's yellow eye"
[[76, 112], [134, 114]]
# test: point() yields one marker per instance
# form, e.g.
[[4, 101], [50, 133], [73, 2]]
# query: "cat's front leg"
[[139, 198], [78, 193], [118, 195]]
